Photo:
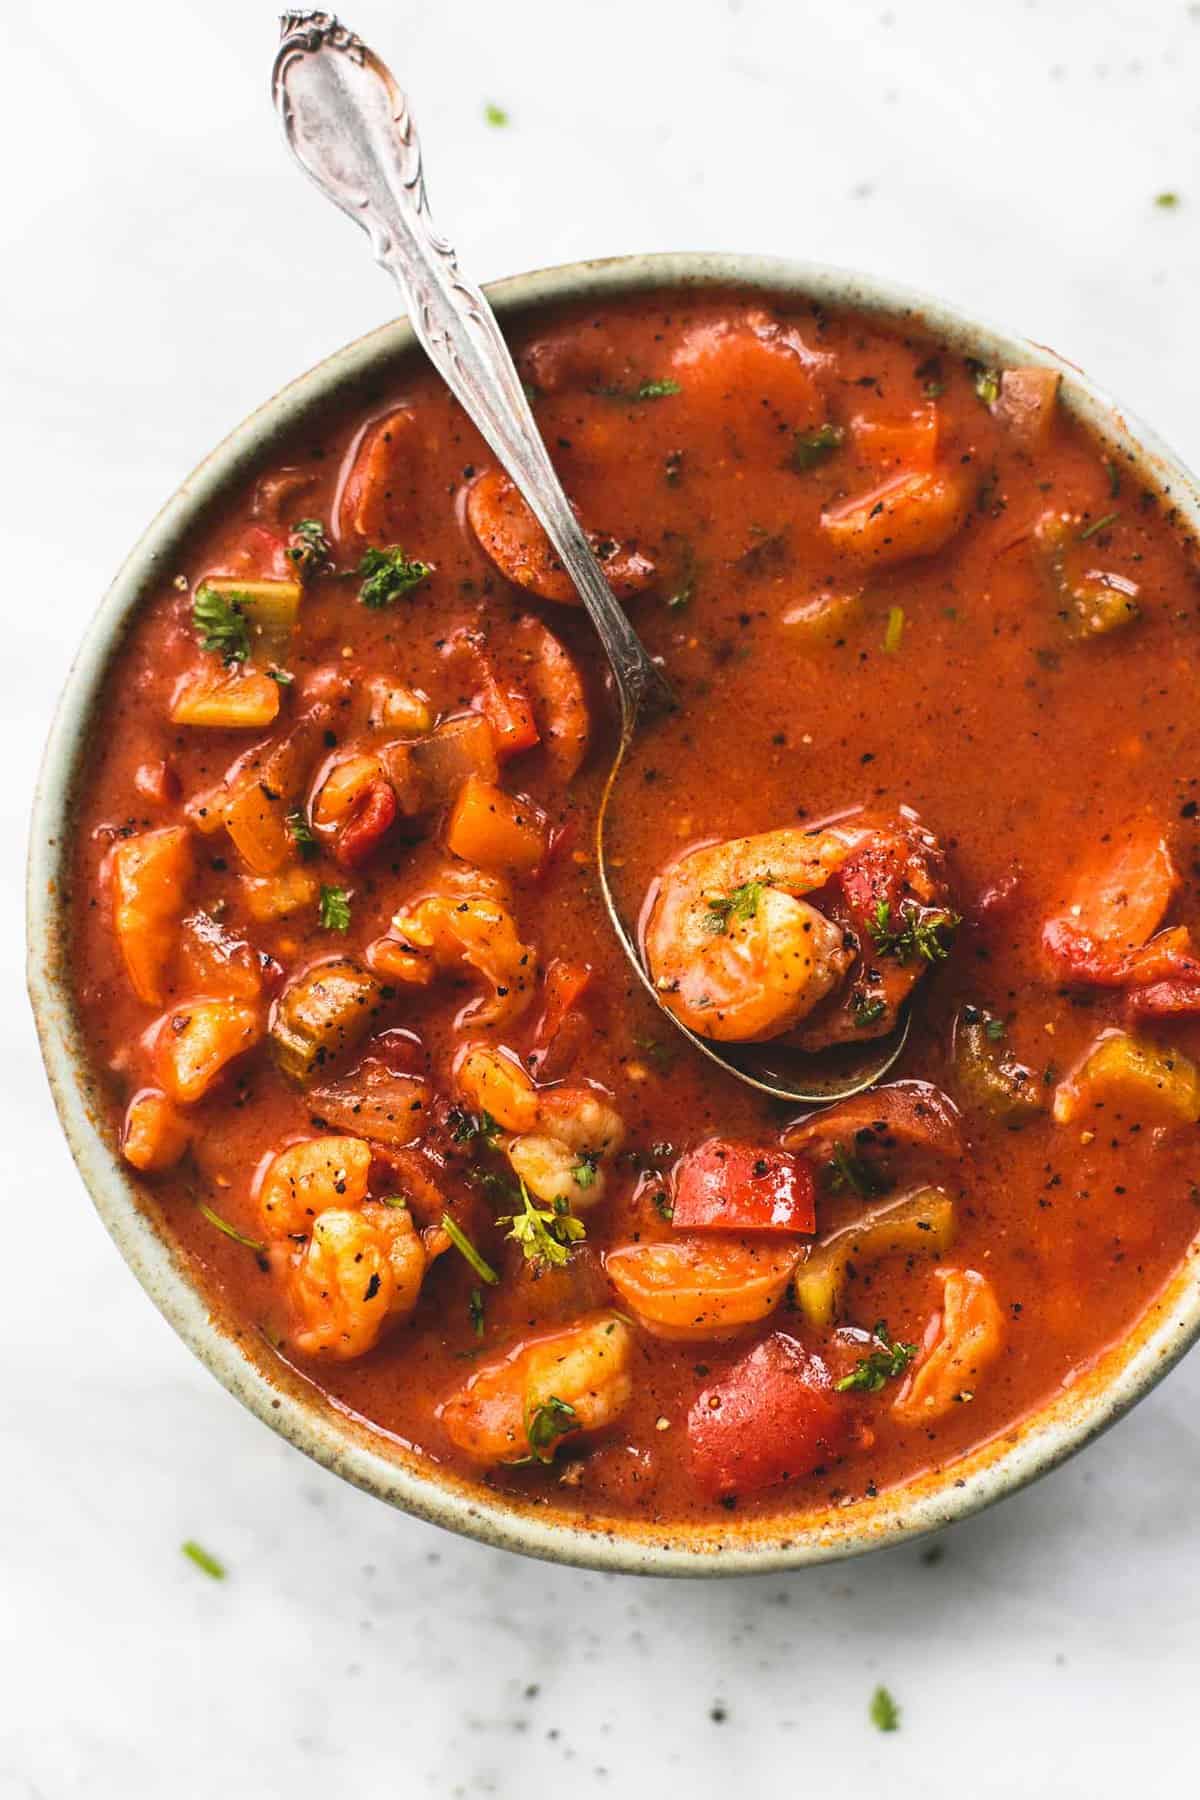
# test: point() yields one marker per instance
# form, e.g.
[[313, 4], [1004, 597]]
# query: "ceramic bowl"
[[234, 1354]]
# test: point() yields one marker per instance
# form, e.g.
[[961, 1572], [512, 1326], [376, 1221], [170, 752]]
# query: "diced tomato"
[[508, 711], [371, 820], [772, 1417], [726, 1186], [564, 986]]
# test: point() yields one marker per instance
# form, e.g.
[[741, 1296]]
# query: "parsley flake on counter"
[[495, 115], [387, 574], [1166, 200], [220, 624], [203, 1559], [883, 1711], [333, 909]]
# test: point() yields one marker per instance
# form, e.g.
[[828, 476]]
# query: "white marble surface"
[[164, 270]]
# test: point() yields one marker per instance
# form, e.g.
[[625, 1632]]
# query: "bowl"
[[234, 1353]]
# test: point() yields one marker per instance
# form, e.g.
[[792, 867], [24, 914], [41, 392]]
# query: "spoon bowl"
[[350, 128]]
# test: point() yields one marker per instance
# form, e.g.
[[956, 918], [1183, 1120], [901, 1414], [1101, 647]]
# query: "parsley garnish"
[[917, 936], [333, 909], [465, 1247], [584, 1171], [1166, 200], [387, 574], [1099, 525], [845, 1170], [873, 1372], [866, 1011], [883, 1711], [663, 1205], [657, 390], [203, 1559], [742, 903], [230, 1231], [309, 547], [475, 1310], [987, 383], [495, 115], [220, 624], [994, 1028], [812, 447], [465, 1127], [284, 677], [553, 1419], [545, 1234], [303, 835]]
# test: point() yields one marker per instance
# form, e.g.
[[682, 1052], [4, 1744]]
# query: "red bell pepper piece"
[[772, 1417], [370, 821], [726, 1186]]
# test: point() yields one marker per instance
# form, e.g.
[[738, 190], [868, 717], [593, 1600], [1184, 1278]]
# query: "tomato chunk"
[[725, 1186], [772, 1417], [371, 819]]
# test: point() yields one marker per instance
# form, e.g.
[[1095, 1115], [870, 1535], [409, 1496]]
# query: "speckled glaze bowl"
[[235, 1354]]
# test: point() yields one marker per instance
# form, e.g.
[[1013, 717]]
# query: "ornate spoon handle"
[[349, 126]]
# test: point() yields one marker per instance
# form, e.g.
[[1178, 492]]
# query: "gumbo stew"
[[358, 1017]]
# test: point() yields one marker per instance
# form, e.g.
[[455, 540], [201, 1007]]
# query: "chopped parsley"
[[847, 1171], [552, 1420], [664, 1206], [866, 1010], [1109, 518], [987, 383], [465, 1127], [917, 938], [657, 390], [994, 1028], [883, 1711], [231, 1231], [220, 624], [1167, 200], [387, 574], [809, 448], [333, 909], [203, 1559], [873, 1372], [308, 547], [284, 677], [894, 631], [475, 1310], [545, 1234], [742, 903], [466, 1248], [584, 1171], [495, 115], [303, 835]]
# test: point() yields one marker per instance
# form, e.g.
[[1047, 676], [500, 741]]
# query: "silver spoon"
[[349, 127]]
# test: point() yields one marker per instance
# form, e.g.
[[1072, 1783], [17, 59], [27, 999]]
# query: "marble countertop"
[[164, 271]]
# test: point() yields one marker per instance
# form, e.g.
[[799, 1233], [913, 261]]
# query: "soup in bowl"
[[355, 1067]]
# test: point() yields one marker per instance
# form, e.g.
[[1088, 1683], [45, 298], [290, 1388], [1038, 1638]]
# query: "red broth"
[[1003, 644]]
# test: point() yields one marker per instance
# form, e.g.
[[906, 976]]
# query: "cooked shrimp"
[[306, 1178], [358, 1270], [547, 1389], [733, 950], [961, 1339], [692, 1288], [560, 1135], [446, 932]]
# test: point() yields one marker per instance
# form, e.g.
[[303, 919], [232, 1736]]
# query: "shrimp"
[[358, 1271], [693, 1288], [306, 1178], [549, 1388], [960, 1341], [733, 950], [443, 932], [554, 1138]]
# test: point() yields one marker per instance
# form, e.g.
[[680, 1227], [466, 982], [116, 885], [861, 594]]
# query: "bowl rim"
[[283, 1399]]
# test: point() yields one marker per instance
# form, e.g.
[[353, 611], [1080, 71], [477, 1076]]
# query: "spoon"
[[349, 127]]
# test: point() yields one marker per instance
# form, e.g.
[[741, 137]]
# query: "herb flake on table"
[[883, 1712], [203, 1559]]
